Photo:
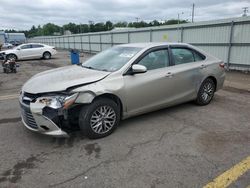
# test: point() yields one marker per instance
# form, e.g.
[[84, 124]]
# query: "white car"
[[30, 51], [7, 45]]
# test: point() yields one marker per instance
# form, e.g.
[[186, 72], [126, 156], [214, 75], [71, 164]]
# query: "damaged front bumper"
[[39, 118]]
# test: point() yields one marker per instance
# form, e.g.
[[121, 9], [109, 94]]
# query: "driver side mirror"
[[137, 69]]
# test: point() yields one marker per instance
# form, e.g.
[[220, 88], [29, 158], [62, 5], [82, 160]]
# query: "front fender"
[[8, 53], [88, 92], [85, 97]]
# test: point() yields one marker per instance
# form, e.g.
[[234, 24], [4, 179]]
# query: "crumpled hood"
[[62, 78]]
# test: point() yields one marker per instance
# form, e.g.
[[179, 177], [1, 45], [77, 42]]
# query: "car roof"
[[152, 44], [34, 43]]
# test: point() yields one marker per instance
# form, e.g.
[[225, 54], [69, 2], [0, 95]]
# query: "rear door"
[[186, 72], [37, 50]]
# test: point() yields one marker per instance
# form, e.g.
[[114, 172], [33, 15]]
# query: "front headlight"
[[58, 101]]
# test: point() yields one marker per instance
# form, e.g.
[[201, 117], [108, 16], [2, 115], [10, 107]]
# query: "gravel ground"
[[182, 146]]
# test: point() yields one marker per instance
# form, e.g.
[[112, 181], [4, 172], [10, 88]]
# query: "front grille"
[[28, 118], [28, 97]]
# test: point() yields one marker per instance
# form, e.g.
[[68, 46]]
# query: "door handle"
[[203, 66], [169, 75]]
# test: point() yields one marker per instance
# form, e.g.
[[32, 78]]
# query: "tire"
[[206, 92], [93, 124], [46, 55], [11, 56]]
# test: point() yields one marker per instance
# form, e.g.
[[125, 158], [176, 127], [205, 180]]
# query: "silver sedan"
[[118, 83]]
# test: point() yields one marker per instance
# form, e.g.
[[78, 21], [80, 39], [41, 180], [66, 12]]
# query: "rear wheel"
[[206, 92], [100, 118], [46, 55]]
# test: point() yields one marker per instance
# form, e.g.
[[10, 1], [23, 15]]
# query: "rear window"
[[198, 56], [184, 55], [37, 46]]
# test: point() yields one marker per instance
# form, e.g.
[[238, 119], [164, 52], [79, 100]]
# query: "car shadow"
[[76, 136], [157, 113]]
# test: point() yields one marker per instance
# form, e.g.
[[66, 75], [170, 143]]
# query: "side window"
[[25, 47], [37, 46], [155, 60], [198, 57], [182, 55]]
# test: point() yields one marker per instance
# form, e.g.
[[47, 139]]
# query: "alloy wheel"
[[208, 91], [11, 56], [103, 119]]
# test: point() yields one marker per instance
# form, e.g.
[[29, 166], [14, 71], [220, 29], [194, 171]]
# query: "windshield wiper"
[[106, 70], [88, 67]]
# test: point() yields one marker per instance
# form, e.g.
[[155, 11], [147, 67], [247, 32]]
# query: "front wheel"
[[11, 56], [206, 92], [100, 118]]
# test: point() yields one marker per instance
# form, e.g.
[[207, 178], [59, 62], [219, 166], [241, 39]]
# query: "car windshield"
[[111, 59], [16, 47]]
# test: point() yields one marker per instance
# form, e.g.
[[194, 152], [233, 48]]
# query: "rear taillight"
[[222, 65]]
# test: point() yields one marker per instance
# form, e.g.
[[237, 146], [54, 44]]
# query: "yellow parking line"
[[231, 175], [6, 97]]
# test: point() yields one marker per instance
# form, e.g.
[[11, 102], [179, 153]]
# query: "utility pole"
[[179, 17], [245, 11], [193, 13], [178, 28], [137, 19]]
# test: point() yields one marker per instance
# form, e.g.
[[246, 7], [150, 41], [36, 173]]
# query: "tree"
[[174, 21], [121, 24], [154, 23], [84, 28], [99, 27], [50, 29], [109, 25], [72, 27], [91, 27], [39, 31]]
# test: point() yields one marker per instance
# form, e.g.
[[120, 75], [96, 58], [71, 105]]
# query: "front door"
[[150, 90], [25, 51]]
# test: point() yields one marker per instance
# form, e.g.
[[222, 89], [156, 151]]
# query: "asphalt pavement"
[[183, 146]]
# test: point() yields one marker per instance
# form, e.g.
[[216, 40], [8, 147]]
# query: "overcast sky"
[[22, 14]]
